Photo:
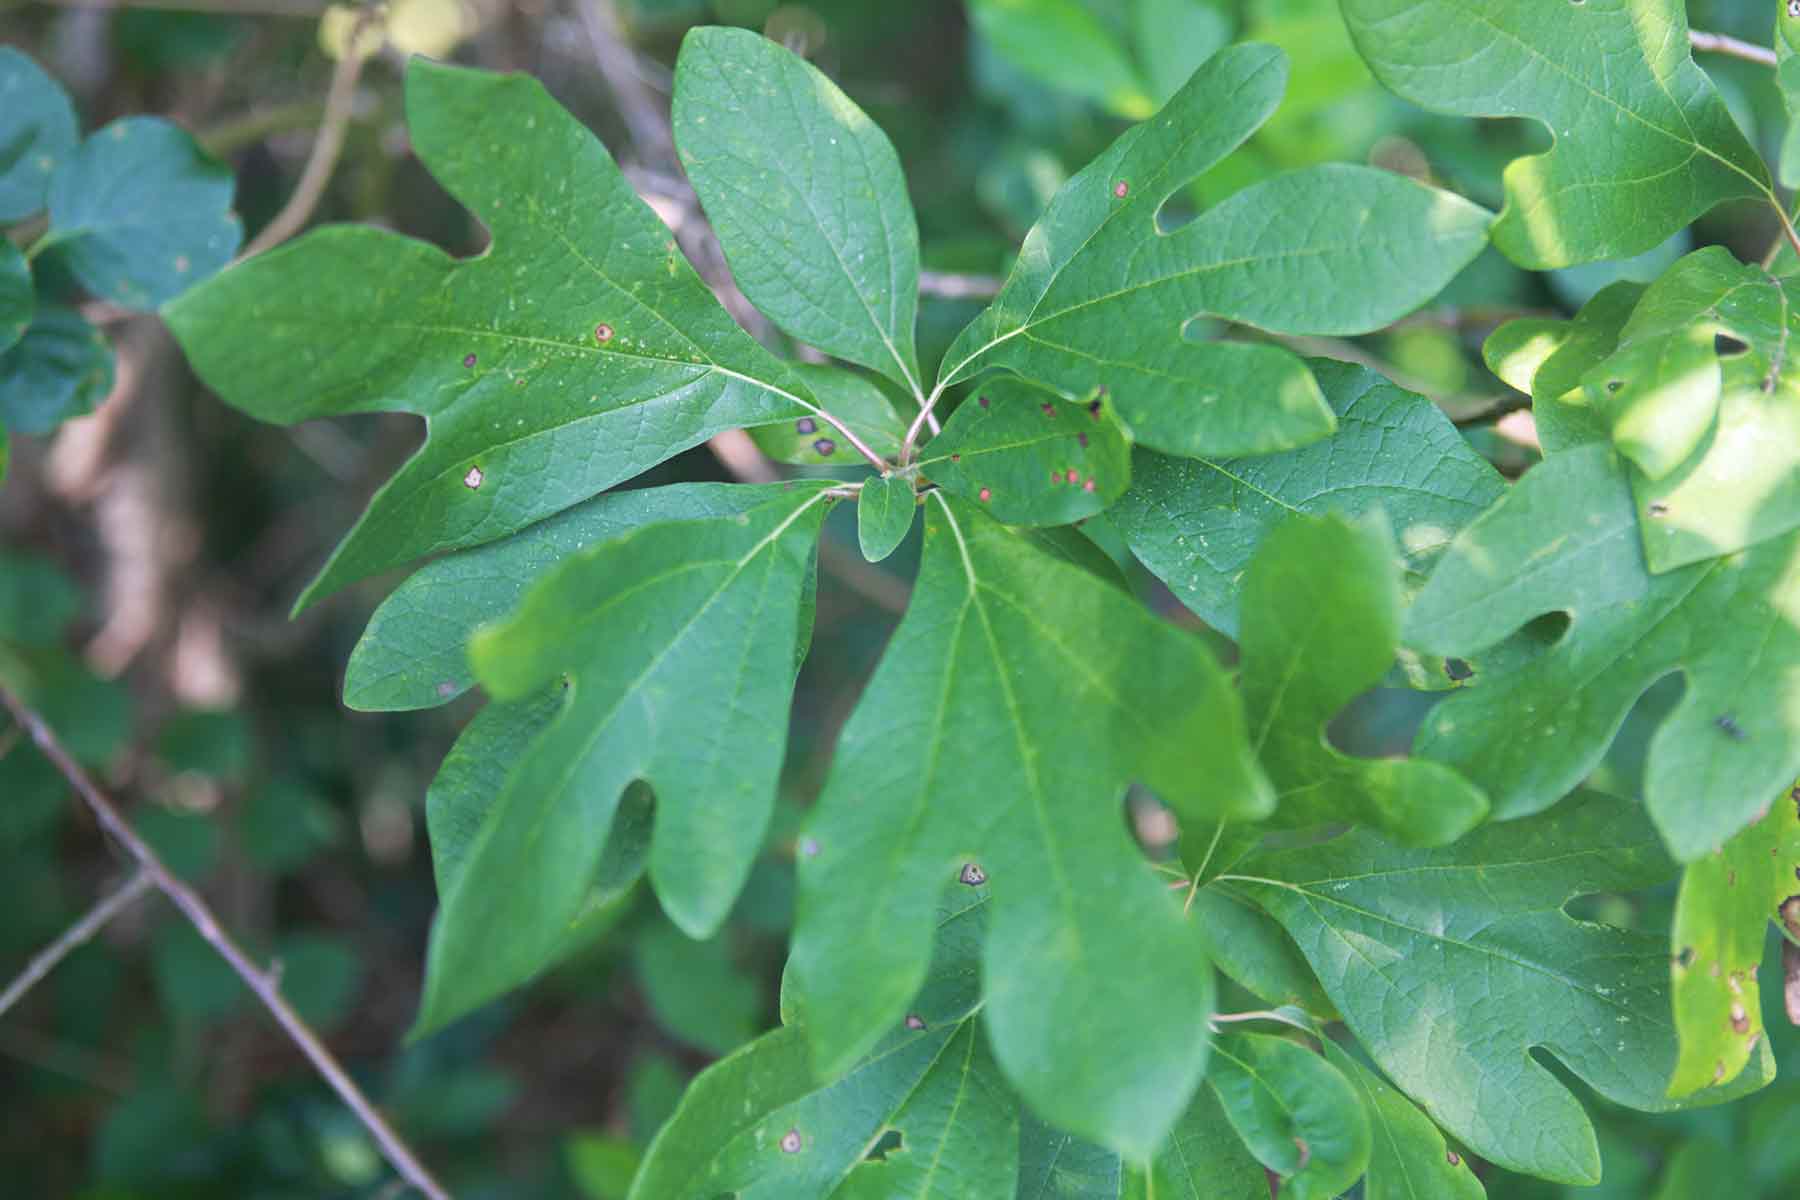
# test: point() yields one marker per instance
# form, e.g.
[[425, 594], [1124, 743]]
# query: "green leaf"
[[1787, 79], [1062, 44], [653, 706], [758, 1125], [884, 515], [1251, 949], [696, 991], [1565, 539], [414, 653], [38, 131], [1320, 626], [140, 213], [1643, 143], [1703, 1167], [1299, 1116], [1722, 914], [1450, 965], [1031, 458], [1101, 298], [1408, 1158], [1173, 37], [61, 368], [17, 300], [806, 195], [1715, 437], [1016, 700], [1547, 358], [1202, 1159], [579, 350], [37, 600], [853, 400], [320, 976], [1196, 522]]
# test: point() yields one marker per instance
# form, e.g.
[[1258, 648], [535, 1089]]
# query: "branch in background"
[[947, 285], [326, 146], [263, 983], [1719, 43], [73, 937]]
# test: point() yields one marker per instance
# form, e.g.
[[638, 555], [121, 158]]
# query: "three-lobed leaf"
[[1643, 143], [1450, 965], [687, 691], [1027, 693], [578, 351], [1566, 540], [806, 195], [1101, 297]]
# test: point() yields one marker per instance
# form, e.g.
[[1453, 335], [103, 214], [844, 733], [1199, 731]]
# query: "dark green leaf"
[[1451, 964], [1408, 1157], [1251, 949], [415, 654], [1015, 701], [1565, 539], [1721, 917], [1643, 143], [1546, 358], [806, 195], [646, 702], [758, 1125], [853, 400], [884, 515], [1320, 626], [61, 368], [1196, 522], [1702, 1168], [578, 351], [37, 601], [1031, 458], [38, 132], [1295, 1111], [320, 976], [1202, 1159], [695, 989], [141, 213], [17, 300], [1100, 298], [1173, 37]]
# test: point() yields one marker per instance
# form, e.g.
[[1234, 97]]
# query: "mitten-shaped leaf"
[[1029, 456], [1100, 297], [1565, 540], [1196, 522], [1722, 915], [1643, 143], [759, 1125], [1408, 1159], [38, 132], [415, 651], [1298, 1114], [1018, 697], [1320, 626], [577, 351], [1703, 396], [1451, 965], [637, 628], [806, 195]]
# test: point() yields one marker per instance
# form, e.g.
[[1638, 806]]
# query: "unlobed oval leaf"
[[18, 301], [884, 515], [579, 350], [806, 195], [61, 368], [1643, 142], [1030, 457], [1295, 1111], [38, 131], [1408, 1157]]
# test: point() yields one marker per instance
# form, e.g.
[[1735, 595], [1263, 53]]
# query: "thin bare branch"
[[1719, 43], [201, 917], [73, 937], [329, 143], [948, 285]]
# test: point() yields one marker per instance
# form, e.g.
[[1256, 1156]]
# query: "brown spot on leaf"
[[825, 447], [806, 425], [791, 1142], [468, 360], [1049, 409], [1740, 1020], [473, 479], [956, 458], [1305, 1153], [1453, 1158], [982, 400], [1685, 959], [1082, 438], [1658, 509], [1790, 980], [972, 874], [603, 333], [915, 1022]]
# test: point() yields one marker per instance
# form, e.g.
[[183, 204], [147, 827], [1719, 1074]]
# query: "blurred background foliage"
[[150, 551]]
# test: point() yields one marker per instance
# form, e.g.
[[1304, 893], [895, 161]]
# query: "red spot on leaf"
[[1121, 189], [1088, 486], [1049, 409], [984, 495], [1074, 475], [982, 400], [468, 360], [603, 333], [790, 1142]]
